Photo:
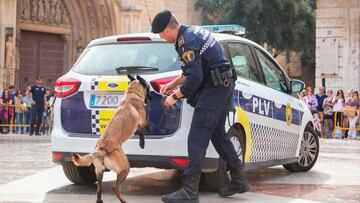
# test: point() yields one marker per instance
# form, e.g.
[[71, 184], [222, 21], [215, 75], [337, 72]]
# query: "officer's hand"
[[169, 101], [33, 102], [166, 89]]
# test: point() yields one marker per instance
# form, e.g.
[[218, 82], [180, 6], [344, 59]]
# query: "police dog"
[[108, 154]]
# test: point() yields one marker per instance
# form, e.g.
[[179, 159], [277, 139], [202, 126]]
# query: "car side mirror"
[[296, 86]]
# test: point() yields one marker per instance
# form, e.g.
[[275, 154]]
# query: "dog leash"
[[165, 110]]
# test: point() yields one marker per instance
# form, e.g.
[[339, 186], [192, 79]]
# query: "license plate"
[[105, 101]]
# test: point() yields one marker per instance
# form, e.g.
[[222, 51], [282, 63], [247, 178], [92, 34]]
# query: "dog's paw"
[[99, 201]]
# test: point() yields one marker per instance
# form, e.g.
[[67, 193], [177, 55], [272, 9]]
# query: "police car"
[[269, 126]]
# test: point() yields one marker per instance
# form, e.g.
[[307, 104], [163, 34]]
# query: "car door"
[[278, 138], [251, 107]]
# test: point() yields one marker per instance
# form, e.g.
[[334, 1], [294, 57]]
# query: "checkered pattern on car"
[[94, 84], [95, 122], [271, 143]]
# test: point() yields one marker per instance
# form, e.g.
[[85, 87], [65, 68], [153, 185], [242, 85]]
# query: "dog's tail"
[[88, 159]]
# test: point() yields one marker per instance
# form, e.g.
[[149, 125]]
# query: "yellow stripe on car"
[[120, 81], [244, 121], [105, 116]]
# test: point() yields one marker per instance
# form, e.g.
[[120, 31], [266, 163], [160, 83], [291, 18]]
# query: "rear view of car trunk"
[[98, 82]]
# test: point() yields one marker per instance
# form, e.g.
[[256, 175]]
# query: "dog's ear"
[[131, 78], [146, 85], [142, 81]]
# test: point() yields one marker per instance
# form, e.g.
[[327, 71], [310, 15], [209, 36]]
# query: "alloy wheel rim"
[[308, 150]]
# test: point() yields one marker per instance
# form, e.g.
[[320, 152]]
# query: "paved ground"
[[28, 175]]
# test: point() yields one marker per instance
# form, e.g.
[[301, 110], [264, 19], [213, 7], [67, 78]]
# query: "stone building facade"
[[45, 37], [338, 44]]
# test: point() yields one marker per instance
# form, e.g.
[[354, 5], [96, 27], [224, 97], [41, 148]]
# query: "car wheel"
[[79, 175], [215, 180], [309, 151]]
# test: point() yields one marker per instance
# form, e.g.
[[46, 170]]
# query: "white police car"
[[271, 126]]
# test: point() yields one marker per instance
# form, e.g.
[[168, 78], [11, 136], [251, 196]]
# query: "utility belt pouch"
[[213, 78], [218, 76]]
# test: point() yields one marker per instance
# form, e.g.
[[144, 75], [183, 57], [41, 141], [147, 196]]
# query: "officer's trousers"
[[209, 124], [36, 114]]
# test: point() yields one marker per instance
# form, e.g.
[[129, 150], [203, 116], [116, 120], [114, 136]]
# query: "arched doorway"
[[40, 54], [53, 33]]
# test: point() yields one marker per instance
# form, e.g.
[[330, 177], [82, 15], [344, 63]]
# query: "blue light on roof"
[[234, 28]]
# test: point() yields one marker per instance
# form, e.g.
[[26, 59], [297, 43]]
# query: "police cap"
[[160, 22]]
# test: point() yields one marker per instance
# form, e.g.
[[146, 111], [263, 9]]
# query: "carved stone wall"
[[50, 12], [7, 42], [81, 20], [338, 43]]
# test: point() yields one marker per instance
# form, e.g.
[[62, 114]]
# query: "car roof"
[[156, 37]]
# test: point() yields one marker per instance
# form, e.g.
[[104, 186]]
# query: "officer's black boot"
[[238, 184], [188, 193]]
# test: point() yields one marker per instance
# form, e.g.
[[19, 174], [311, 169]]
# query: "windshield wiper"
[[134, 69]]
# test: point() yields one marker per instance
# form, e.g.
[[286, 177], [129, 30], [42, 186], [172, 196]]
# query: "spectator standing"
[[26, 116], [19, 111], [352, 105], [346, 119], [311, 100], [13, 95], [38, 92], [46, 115], [349, 96], [321, 96], [6, 111], [328, 114], [302, 96], [338, 107]]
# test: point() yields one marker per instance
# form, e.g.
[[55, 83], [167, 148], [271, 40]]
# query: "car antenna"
[[147, 10]]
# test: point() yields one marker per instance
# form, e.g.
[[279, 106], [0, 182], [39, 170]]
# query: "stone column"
[[8, 13]]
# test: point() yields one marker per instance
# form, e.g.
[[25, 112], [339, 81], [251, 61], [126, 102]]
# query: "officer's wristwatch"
[[175, 97]]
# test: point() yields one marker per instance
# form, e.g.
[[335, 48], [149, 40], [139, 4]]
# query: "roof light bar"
[[230, 28]]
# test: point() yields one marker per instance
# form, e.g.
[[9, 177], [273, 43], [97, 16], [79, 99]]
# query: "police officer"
[[38, 92], [207, 82]]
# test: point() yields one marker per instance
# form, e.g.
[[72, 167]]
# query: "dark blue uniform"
[[199, 54], [37, 110]]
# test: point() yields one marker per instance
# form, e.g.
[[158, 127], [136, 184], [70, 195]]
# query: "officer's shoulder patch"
[[188, 56], [181, 41]]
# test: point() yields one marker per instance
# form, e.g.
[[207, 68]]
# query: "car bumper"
[[164, 162]]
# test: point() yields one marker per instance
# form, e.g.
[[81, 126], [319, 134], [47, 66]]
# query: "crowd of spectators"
[[24, 111], [336, 111]]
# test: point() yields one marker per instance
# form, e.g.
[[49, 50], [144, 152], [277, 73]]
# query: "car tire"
[[309, 151], [215, 180], [79, 175]]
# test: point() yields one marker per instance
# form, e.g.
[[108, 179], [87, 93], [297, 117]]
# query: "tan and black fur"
[[108, 152]]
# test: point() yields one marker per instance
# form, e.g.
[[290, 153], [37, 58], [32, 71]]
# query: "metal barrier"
[[12, 123], [350, 113]]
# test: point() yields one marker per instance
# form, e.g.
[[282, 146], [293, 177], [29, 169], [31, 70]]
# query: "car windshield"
[[106, 59]]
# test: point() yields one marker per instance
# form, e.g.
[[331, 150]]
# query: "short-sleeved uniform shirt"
[[38, 93], [320, 100], [199, 52]]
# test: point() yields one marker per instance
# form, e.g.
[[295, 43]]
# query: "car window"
[[104, 59], [243, 61], [274, 77]]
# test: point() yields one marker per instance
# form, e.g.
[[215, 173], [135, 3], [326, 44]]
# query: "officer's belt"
[[219, 77]]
